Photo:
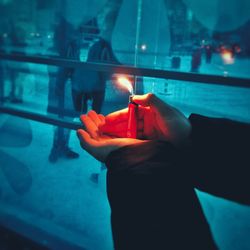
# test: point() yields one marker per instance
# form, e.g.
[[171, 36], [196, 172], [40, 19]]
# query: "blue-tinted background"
[[62, 205]]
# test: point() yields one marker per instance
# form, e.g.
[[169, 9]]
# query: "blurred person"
[[16, 70], [151, 180], [208, 53], [1, 83], [235, 48], [1, 73], [91, 85], [64, 33], [196, 58]]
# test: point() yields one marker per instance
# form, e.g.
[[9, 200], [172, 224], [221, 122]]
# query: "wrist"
[[133, 155]]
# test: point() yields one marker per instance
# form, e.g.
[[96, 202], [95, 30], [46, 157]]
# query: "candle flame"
[[126, 83]]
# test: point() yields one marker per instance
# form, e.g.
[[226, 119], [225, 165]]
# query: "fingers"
[[114, 124], [117, 123], [122, 115], [92, 121], [148, 124], [120, 129], [113, 129], [117, 116], [151, 101], [85, 139], [144, 100], [90, 126], [89, 144], [99, 149], [98, 119], [94, 117], [102, 118]]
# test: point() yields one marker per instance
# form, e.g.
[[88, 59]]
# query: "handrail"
[[167, 74], [41, 118], [175, 75]]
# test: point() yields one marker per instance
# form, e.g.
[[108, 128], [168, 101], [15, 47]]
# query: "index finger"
[[122, 115], [90, 126], [117, 116]]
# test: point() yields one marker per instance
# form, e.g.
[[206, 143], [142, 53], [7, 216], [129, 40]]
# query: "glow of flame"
[[227, 57], [125, 83]]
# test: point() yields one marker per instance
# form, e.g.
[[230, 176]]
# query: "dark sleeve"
[[219, 157], [153, 204], [133, 181]]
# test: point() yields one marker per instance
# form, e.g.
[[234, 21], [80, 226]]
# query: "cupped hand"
[[97, 143], [156, 121]]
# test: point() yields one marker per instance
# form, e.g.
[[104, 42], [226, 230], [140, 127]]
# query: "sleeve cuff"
[[132, 155]]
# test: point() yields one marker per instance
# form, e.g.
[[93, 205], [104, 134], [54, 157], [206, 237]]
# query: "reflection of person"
[[63, 35], [196, 58], [1, 83], [1, 75], [208, 53], [16, 70], [151, 180], [90, 85]]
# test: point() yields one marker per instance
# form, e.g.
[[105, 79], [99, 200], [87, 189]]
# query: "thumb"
[[154, 102], [145, 100], [90, 145], [86, 141]]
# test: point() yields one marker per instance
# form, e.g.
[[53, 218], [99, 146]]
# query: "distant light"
[[37, 34], [49, 36], [5, 1], [5, 35], [238, 49], [32, 34], [45, 242], [143, 47], [227, 57], [189, 15], [225, 73]]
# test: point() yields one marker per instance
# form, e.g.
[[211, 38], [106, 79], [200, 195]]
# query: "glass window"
[[60, 205], [187, 35], [50, 189]]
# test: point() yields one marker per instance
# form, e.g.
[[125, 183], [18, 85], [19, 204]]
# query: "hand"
[[97, 144], [156, 121]]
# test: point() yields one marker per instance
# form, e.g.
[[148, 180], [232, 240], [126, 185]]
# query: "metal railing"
[[112, 68], [146, 72]]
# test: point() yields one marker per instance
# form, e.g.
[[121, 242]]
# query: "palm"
[[96, 143], [116, 124]]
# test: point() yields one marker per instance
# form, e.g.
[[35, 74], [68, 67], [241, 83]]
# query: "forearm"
[[135, 184], [219, 157], [152, 200]]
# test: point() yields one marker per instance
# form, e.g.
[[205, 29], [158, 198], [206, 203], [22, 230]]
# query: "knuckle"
[[151, 98]]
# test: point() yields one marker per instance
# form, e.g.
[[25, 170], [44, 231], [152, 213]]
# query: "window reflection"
[[140, 33], [168, 35], [178, 35]]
